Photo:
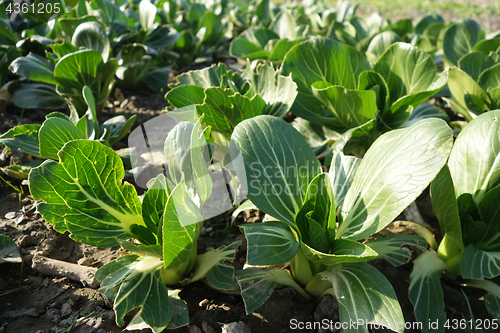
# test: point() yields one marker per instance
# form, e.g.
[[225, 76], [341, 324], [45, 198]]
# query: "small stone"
[[10, 215], [210, 229], [212, 234], [204, 303], [236, 327]]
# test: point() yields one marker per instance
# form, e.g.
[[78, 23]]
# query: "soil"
[[31, 302]]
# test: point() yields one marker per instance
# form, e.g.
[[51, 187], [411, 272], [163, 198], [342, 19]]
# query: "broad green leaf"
[[490, 78], [84, 194], [212, 266], [281, 48], [181, 228], [411, 77], [487, 45], [380, 43], [341, 175], [154, 201], [196, 11], [489, 209], [364, 294], [7, 36], [270, 243], [37, 96], [480, 264], [157, 79], [224, 110], [257, 285], [118, 127], [251, 43], [474, 64], [342, 251], [318, 201], [54, 134], [181, 312], [162, 37], [425, 111], [426, 21], [347, 108], [462, 87], [136, 287], [60, 50], [395, 170], [185, 95], [114, 272], [314, 134], [370, 80], [312, 233], [157, 310], [444, 205], [35, 68], [24, 138], [460, 38], [8, 250], [276, 90], [324, 60], [284, 25], [214, 28], [68, 25], [395, 248], [147, 14], [78, 69], [243, 48], [187, 157], [207, 77], [92, 35], [402, 27], [109, 12], [426, 293], [474, 161], [279, 165]]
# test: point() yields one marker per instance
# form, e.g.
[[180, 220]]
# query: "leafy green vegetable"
[[339, 89], [83, 193], [465, 198], [227, 98], [320, 217]]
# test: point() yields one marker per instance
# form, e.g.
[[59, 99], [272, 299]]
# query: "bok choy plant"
[[83, 194], [227, 98], [340, 89], [46, 140], [466, 199], [475, 84], [69, 68], [316, 220]]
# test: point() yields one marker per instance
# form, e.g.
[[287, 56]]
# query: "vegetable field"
[[247, 166]]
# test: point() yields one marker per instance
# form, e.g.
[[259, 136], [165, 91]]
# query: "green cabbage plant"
[[317, 221], [475, 83], [466, 199], [227, 98], [66, 70], [44, 141], [83, 194], [340, 89]]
